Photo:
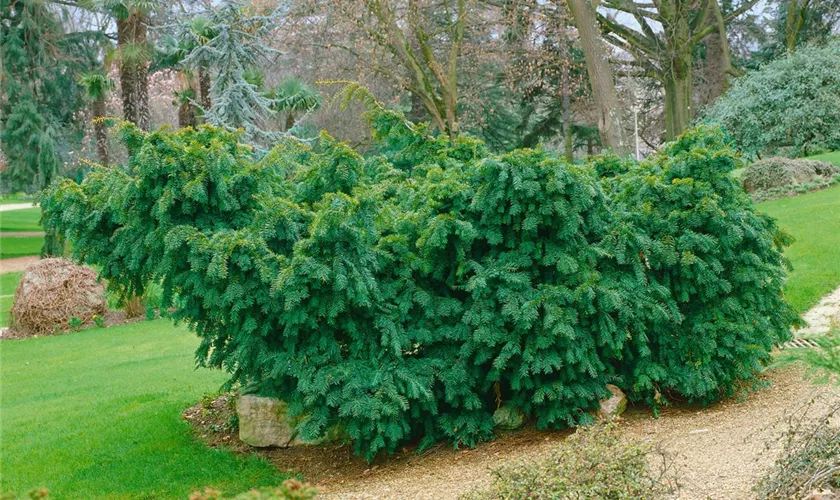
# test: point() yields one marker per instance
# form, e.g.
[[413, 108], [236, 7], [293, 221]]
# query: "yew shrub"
[[406, 295]]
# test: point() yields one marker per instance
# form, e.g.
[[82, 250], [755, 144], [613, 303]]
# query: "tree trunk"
[[600, 76], [186, 114], [204, 91], [134, 80], [567, 115], [290, 120], [100, 131], [677, 80]]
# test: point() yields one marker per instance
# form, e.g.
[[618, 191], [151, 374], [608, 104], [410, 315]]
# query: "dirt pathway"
[[17, 264], [16, 206], [20, 234]]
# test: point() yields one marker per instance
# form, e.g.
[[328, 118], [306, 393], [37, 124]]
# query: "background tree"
[[293, 97], [790, 107], [600, 76], [97, 86], [132, 18], [236, 47], [667, 54]]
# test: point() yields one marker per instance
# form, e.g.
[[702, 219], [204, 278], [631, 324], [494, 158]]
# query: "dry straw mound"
[[52, 292]]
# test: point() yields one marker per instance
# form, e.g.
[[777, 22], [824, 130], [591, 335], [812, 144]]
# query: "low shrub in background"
[[401, 296], [776, 177], [595, 462]]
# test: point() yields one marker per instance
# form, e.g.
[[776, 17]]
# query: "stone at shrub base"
[[264, 422], [508, 418], [614, 405]]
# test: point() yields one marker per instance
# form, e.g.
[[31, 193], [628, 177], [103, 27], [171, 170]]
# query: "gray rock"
[[508, 418], [264, 422], [614, 405]]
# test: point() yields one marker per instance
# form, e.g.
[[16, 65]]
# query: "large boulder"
[[52, 292], [264, 422]]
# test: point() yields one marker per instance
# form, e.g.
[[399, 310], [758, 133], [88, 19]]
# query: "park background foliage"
[[408, 294]]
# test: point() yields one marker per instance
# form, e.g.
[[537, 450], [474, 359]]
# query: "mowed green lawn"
[[20, 220], [814, 220], [8, 285], [20, 247], [833, 157], [97, 414]]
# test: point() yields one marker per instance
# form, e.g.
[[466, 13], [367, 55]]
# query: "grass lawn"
[[19, 247], [97, 414], [814, 220], [20, 220], [8, 284], [833, 157]]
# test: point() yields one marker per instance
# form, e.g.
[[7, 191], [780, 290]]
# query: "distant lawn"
[[814, 220], [7, 199], [20, 220], [829, 157], [20, 247], [97, 414], [8, 285]]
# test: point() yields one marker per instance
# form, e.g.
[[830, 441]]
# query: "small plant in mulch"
[[809, 461], [595, 462], [215, 420], [290, 489]]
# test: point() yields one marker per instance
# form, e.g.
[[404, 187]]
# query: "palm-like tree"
[[132, 18], [97, 85], [171, 53], [293, 96]]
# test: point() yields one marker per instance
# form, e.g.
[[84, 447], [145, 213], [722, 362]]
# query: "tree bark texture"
[[600, 76]]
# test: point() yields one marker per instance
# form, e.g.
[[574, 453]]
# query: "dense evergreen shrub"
[[700, 238], [406, 295]]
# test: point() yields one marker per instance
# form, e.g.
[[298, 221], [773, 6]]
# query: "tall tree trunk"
[[290, 120], [677, 80], [567, 115], [204, 91], [100, 131], [134, 80], [600, 76]]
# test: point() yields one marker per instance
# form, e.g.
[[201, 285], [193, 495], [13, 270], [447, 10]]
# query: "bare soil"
[[17, 264], [21, 234]]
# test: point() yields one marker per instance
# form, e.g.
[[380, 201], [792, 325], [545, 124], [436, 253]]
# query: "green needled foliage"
[[407, 296], [700, 237]]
